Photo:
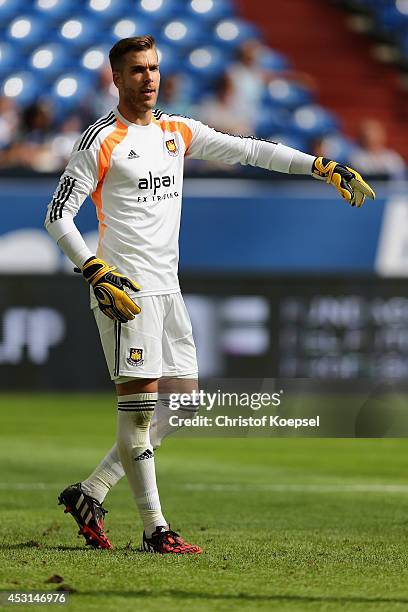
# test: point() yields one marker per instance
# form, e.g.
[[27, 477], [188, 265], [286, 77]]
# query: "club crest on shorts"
[[135, 357], [172, 147]]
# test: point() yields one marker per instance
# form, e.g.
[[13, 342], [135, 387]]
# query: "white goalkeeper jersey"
[[134, 175]]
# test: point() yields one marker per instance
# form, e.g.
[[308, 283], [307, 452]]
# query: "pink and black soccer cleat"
[[88, 513], [165, 541]]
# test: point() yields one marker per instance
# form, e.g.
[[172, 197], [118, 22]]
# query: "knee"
[[169, 385], [133, 431], [135, 412], [137, 385]]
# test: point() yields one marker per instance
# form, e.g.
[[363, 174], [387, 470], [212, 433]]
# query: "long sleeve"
[[209, 144], [79, 180]]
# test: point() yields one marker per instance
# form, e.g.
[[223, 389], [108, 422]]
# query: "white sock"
[[137, 457], [104, 476], [110, 470], [160, 426]]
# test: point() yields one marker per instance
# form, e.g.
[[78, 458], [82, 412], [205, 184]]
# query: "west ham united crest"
[[135, 357], [172, 147]]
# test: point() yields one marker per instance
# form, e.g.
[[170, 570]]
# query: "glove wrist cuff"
[[88, 261], [93, 270], [323, 168]]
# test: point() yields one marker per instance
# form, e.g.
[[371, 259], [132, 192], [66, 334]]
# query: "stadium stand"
[[374, 89], [201, 43]]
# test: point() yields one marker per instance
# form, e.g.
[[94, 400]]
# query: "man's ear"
[[116, 76]]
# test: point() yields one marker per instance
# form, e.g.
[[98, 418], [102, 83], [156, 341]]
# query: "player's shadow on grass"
[[37, 545], [247, 597], [80, 548]]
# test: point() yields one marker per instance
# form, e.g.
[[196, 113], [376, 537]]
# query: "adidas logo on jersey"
[[147, 454], [133, 155]]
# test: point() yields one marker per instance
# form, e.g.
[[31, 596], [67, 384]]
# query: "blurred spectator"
[[173, 96], [106, 97], [372, 156], [31, 146], [9, 121], [221, 111], [62, 144], [36, 145], [333, 146], [36, 123], [248, 79]]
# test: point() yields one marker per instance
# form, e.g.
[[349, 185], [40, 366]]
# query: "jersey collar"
[[129, 123]]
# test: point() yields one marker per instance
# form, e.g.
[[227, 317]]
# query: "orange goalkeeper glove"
[[109, 289], [348, 182]]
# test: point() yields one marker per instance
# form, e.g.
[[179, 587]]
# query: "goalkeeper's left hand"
[[109, 289], [348, 182]]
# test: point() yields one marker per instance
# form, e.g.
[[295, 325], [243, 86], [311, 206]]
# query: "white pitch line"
[[28, 486], [239, 487], [300, 488]]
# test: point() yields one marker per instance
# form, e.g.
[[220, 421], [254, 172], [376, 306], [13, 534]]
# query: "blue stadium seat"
[[208, 11], [79, 32], [403, 42], [94, 58], [389, 18], [169, 59], [232, 32], [194, 87], [70, 90], [131, 26], [9, 9], [206, 62], [290, 140], [182, 33], [48, 61], [370, 4], [280, 92], [54, 11], [312, 121], [273, 61], [10, 59], [108, 11], [23, 87], [159, 11], [26, 32], [270, 121]]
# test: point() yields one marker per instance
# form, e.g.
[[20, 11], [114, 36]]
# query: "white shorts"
[[158, 342]]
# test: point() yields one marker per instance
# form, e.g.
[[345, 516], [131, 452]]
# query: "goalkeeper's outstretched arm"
[[209, 144]]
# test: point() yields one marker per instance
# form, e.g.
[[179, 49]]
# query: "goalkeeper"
[[131, 164]]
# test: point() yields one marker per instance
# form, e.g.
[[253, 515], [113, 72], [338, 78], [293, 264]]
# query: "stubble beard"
[[135, 103]]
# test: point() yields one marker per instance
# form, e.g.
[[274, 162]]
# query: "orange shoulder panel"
[[104, 159]]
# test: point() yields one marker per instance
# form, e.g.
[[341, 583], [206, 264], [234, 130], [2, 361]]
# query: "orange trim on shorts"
[[178, 126], [104, 160]]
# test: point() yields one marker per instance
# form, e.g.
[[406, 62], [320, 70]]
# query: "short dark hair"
[[123, 46]]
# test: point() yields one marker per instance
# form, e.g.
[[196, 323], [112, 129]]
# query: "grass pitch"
[[286, 524]]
